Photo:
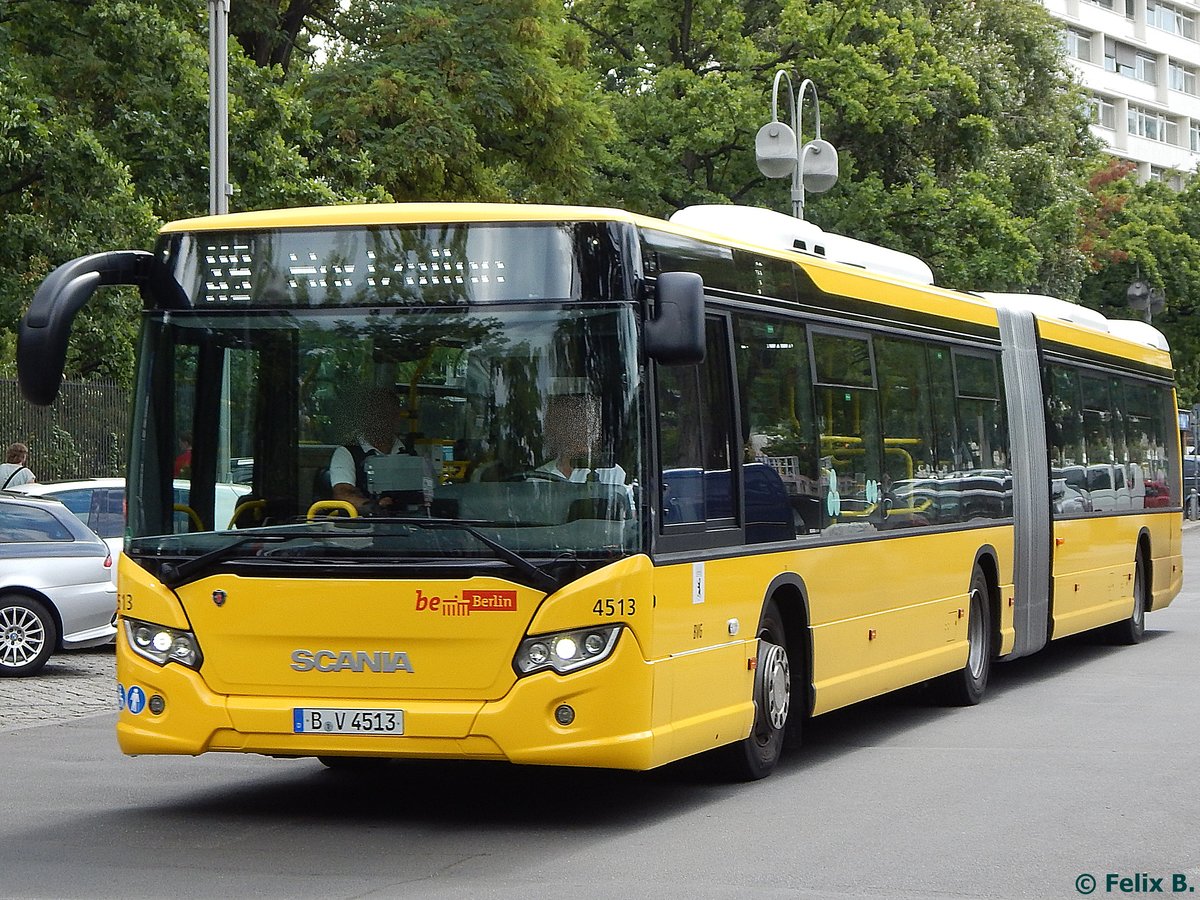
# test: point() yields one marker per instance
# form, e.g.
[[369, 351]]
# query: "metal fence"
[[81, 435]]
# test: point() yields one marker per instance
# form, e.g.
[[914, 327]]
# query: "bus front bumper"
[[610, 727]]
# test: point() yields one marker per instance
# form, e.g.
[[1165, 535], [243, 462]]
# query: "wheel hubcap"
[[975, 640], [1139, 611], [776, 684], [21, 636]]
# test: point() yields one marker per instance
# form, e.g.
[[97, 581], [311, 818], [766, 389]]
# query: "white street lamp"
[[780, 150]]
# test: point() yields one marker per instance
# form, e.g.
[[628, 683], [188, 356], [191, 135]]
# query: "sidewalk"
[[74, 684]]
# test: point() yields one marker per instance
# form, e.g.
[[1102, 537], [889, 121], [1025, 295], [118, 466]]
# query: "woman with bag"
[[13, 470]]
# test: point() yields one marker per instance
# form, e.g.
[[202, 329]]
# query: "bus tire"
[[28, 635], [966, 686], [1132, 630], [757, 755]]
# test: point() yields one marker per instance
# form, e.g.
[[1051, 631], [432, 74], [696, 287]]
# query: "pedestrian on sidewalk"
[[13, 470]]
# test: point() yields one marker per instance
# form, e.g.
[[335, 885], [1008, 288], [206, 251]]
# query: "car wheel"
[[28, 635]]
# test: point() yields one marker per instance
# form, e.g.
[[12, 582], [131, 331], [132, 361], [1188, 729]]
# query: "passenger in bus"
[[381, 422], [572, 432]]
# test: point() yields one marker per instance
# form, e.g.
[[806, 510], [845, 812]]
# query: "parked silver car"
[[100, 504], [56, 588]]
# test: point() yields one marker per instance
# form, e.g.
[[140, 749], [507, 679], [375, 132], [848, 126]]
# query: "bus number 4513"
[[626, 606]]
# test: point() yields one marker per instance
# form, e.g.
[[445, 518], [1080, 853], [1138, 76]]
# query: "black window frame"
[[710, 534]]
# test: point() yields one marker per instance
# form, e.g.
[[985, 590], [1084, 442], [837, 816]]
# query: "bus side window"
[[985, 489], [909, 461], [695, 437], [1069, 491], [847, 410], [1146, 416], [779, 458]]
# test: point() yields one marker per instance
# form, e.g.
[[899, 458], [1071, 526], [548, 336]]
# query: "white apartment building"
[[1140, 62]]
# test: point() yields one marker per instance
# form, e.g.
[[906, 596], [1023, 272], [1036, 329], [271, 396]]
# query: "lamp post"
[[1145, 298], [219, 187], [780, 149]]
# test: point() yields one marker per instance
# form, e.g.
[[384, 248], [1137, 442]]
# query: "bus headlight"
[[566, 651], [161, 644]]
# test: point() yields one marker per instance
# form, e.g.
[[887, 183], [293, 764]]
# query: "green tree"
[[1148, 232], [957, 127], [103, 134], [442, 100], [271, 31], [63, 193]]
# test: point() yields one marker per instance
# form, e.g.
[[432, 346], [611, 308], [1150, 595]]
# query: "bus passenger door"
[[703, 685]]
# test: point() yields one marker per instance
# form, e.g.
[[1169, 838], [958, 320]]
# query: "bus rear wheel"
[[1132, 630], [757, 755], [966, 686]]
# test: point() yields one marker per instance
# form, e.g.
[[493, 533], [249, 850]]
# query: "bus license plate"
[[347, 721]]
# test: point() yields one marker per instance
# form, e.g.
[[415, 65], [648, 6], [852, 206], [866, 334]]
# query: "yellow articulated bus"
[[574, 486]]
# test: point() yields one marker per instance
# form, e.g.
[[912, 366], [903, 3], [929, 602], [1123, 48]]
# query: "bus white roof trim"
[[1046, 307], [777, 231], [1141, 332]]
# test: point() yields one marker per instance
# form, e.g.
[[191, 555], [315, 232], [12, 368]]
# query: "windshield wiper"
[[541, 579], [174, 575]]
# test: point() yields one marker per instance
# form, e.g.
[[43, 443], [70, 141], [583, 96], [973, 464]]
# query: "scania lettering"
[[625, 490], [360, 661]]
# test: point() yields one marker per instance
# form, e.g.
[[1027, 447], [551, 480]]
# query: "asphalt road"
[[1081, 763]]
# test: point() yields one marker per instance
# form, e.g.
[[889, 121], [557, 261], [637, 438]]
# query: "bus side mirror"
[[43, 332], [675, 336]]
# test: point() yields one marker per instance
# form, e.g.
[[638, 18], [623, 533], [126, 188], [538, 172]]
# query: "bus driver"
[[382, 418]]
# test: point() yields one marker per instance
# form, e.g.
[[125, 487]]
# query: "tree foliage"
[[961, 137], [104, 134], [959, 134], [271, 32], [449, 101], [1150, 233]]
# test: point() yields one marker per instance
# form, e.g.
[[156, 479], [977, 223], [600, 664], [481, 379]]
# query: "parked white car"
[[100, 504], [56, 587]]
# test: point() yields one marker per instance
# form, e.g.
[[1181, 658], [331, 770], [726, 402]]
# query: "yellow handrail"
[[334, 506], [184, 508], [245, 506]]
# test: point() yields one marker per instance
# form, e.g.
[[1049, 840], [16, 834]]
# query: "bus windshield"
[[338, 434]]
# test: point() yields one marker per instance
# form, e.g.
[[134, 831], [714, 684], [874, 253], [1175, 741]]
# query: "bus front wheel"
[[757, 755]]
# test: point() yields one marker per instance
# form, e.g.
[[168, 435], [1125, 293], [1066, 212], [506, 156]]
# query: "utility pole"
[[219, 188]]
